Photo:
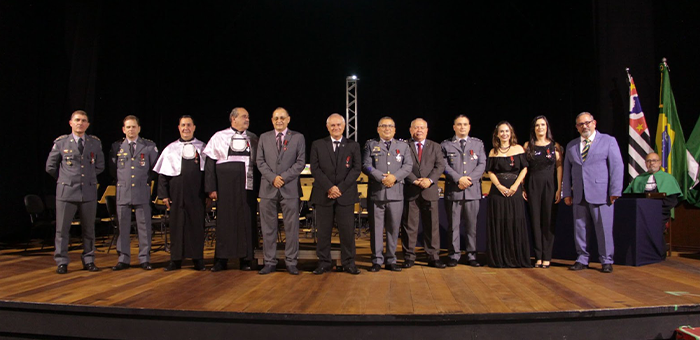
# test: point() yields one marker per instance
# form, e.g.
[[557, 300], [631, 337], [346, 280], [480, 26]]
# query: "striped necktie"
[[586, 147]]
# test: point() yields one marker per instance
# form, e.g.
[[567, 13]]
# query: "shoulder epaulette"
[[60, 137], [148, 140], [476, 140], [95, 137]]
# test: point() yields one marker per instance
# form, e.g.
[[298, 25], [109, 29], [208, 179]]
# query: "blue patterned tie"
[[586, 147]]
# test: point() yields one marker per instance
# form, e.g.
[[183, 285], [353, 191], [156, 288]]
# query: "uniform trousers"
[[456, 212], [65, 211], [386, 215], [143, 223]]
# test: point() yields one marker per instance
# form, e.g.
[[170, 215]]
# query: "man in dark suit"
[[280, 160], [593, 174], [132, 161], [335, 166], [421, 197], [75, 161]]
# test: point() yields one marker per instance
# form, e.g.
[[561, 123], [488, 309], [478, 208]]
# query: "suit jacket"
[[288, 163], [134, 171], [470, 162], [329, 170], [377, 160], [76, 174], [431, 165], [600, 176]]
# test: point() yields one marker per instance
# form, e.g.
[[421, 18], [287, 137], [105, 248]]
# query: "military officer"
[[465, 161], [75, 161], [386, 161], [132, 159]]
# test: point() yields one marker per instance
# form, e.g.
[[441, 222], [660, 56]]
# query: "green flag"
[[693, 160], [670, 143]]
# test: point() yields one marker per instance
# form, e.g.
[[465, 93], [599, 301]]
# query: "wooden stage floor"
[[30, 277]]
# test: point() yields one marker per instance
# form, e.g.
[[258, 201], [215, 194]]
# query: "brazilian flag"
[[670, 143]]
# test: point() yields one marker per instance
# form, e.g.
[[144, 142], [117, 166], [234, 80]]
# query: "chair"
[[38, 217], [362, 218], [161, 221], [210, 223], [111, 202]]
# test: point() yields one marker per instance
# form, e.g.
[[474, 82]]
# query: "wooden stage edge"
[[646, 302]]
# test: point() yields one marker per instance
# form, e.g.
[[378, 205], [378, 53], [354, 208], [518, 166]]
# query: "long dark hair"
[[533, 136], [497, 141]]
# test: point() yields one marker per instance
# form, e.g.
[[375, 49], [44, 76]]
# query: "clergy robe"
[[231, 175], [183, 184]]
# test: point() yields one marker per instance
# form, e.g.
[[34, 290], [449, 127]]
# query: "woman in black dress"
[[509, 246], [542, 187]]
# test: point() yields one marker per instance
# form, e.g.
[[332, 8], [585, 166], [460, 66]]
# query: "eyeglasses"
[[582, 124], [652, 161], [384, 126]]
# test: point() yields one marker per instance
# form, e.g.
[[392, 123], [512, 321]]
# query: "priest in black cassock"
[[229, 179], [181, 187]]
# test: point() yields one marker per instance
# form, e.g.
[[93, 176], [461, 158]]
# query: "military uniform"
[[133, 173], [386, 205], [76, 187], [463, 159]]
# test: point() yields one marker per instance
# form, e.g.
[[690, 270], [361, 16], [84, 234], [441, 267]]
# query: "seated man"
[[657, 181]]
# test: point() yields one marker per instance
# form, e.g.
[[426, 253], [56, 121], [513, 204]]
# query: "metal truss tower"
[[351, 107]]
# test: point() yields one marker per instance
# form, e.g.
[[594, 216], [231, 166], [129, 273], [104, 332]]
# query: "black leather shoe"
[[244, 265], [578, 266], [198, 264], [436, 264], [408, 264], [322, 269], [375, 268], [607, 268], [352, 270], [292, 270], [91, 267], [473, 263], [267, 269], [173, 265], [219, 266], [393, 267], [452, 263], [146, 266], [62, 269], [121, 266]]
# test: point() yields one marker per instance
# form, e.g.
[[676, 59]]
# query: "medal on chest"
[[512, 161], [472, 155], [399, 157], [142, 162], [92, 158], [347, 162]]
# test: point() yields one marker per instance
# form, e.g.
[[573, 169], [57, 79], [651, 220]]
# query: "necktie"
[[81, 147], [584, 153], [279, 142], [131, 148], [387, 144], [462, 144], [420, 151], [336, 145]]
